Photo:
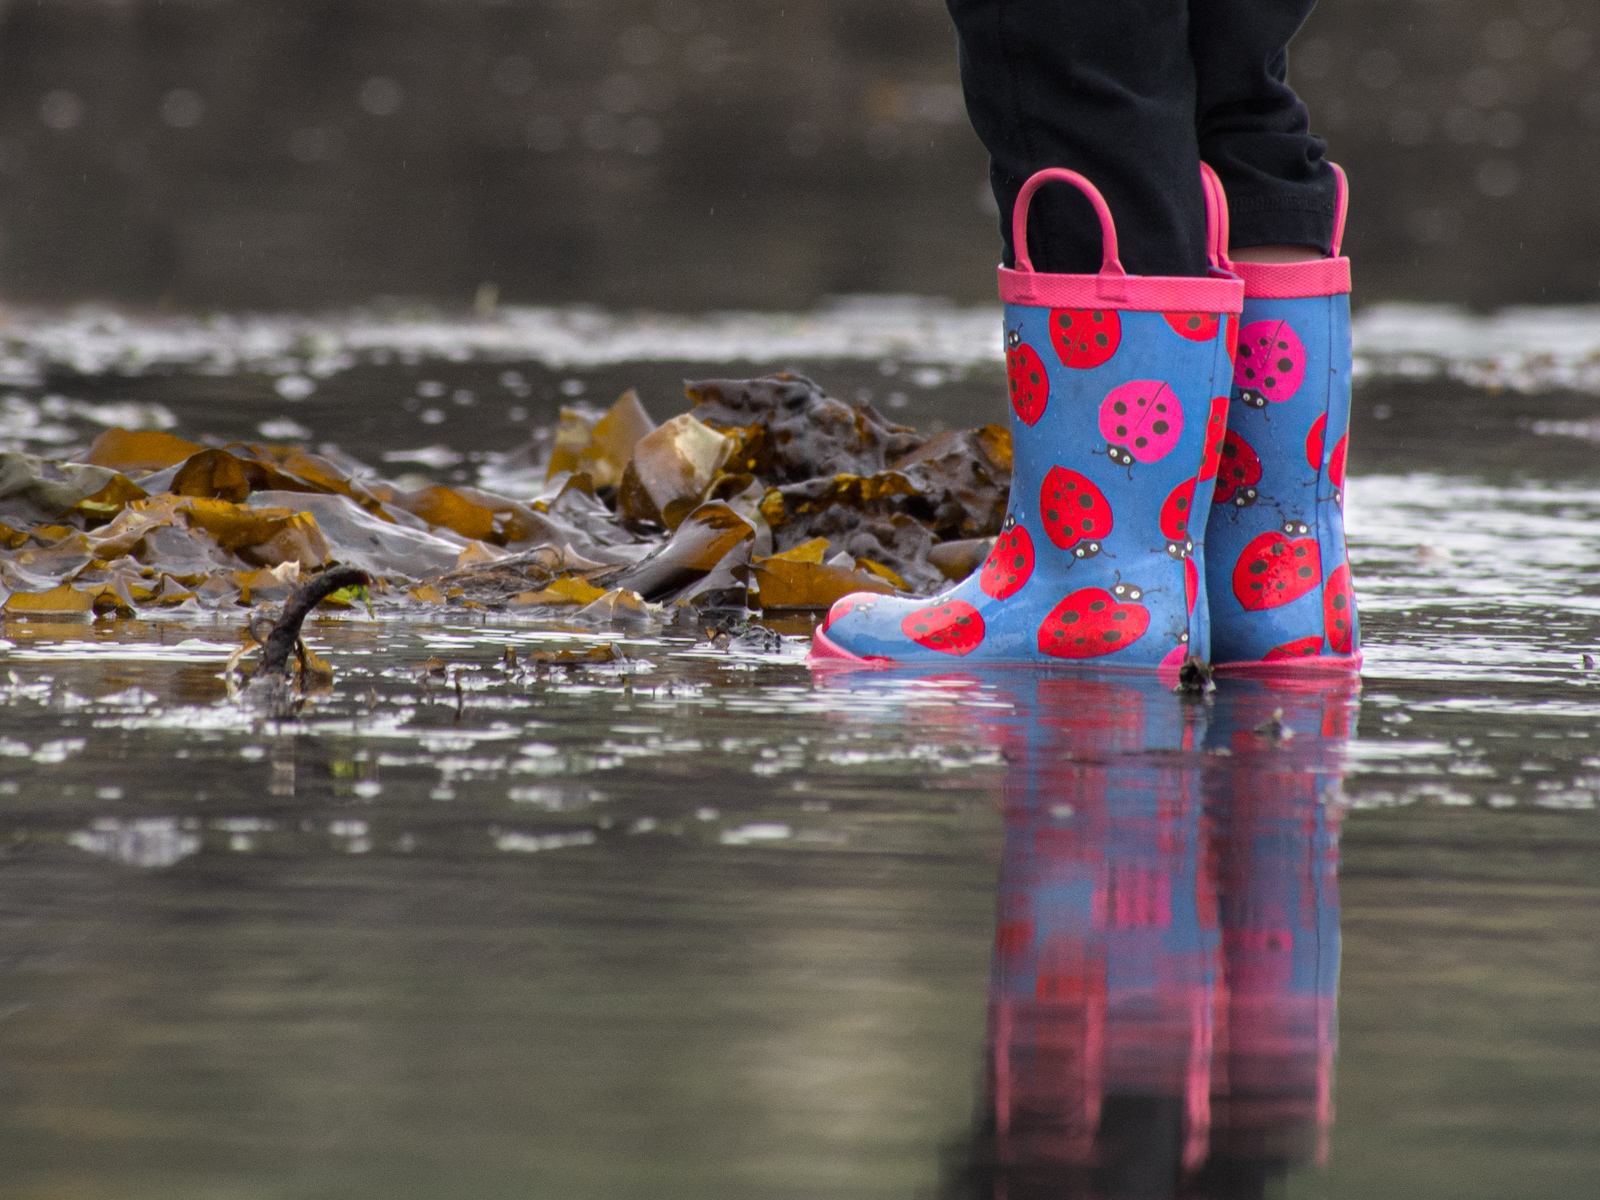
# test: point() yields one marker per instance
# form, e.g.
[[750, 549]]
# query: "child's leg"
[[1106, 88], [1253, 130]]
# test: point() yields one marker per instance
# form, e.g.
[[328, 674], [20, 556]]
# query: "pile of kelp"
[[768, 495]]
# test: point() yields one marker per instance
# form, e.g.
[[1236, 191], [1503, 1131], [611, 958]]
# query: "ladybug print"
[[1076, 514], [954, 627], [1271, 364], [1085, 338], [1126, 591], [1230, 337], [1025, 375], [1306, 647], [1336, 462], [1216, 432], [1197, 327], [1238, 474], [1191, 584], [1141, 421], [1176, 512], [1273, 570], [1339, 612], [1009, 565], [1092, 622], [1314, 446], [1296, 528], [842, 608]]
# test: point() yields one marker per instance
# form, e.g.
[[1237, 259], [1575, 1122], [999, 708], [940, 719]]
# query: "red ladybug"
[[1075, 513], [1176, 513], [1025, 374], [1339, 611], [1197, 327], [1306, 647], [1238, 474], [954, 627], [1216, 431], [1084, 337], [1314, 446], [842, 608], [1191, 583], [1091, 622], [1273, 570], [1009, 565], [1336, 462]]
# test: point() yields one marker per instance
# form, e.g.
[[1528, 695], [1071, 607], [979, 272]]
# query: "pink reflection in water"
[[1162, 1003]]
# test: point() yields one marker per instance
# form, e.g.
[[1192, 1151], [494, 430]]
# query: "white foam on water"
[[1524, 349]]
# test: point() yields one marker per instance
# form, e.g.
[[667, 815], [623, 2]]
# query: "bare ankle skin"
[[1275, 254]]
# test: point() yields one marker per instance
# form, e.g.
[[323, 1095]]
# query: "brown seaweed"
[[770, 493]]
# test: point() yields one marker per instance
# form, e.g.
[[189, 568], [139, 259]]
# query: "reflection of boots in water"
[[1106, 952], [1161, 1011], [1274, 848]]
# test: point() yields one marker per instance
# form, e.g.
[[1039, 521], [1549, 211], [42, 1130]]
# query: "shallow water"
[[698, 922]]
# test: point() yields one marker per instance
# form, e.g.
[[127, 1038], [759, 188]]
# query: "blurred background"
[[696, 154]]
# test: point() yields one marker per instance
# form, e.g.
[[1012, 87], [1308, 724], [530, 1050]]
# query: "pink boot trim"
[[826, 653], [1325, 666]]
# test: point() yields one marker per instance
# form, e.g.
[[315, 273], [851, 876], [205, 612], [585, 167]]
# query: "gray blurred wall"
[[690, 154]]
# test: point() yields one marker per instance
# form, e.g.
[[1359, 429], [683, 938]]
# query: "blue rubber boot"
[[1117, 420], [1279, 586]]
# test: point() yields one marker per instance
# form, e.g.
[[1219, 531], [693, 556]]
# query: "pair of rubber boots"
[[1178, 478]]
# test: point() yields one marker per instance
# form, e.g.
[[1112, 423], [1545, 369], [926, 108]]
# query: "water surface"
[[698, 922]]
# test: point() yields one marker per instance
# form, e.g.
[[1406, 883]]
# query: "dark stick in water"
[[280, 643]]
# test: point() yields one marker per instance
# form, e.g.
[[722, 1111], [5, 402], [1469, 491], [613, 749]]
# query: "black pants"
[[1133, 93]]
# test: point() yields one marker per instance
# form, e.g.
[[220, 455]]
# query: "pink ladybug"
[[1141, 421], [1271, 363]]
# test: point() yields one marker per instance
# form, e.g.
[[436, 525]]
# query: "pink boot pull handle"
[[1216, 219], [1113, 279], [1341, 209]]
